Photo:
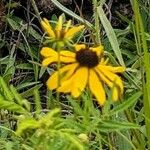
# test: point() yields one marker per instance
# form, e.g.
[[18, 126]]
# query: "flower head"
[[60, 33], [84, 67]]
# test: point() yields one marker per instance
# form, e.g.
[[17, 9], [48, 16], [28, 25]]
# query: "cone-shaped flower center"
[[87, 57]]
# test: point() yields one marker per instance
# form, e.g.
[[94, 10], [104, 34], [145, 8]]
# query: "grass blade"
[[111, 35]]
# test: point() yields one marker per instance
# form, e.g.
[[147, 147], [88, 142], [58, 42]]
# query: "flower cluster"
[[81, 68]]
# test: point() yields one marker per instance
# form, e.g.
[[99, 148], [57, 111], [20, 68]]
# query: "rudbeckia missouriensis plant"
[[62, 33], [83, 68]]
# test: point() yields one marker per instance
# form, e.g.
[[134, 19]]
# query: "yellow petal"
[[79, 81], [79, 46], [97, 88], [115, 69], [67, 26], [115, 94], [112, 77], [59, 26], [65, 87], [48, 52], [115, 90], [70, 72], [72, 31], [98, 50], [47, 27], [66, 53], [49, 60], [103, 61], [52, 56], [52, 82], [103, 78], [64, 59], [59, 23]]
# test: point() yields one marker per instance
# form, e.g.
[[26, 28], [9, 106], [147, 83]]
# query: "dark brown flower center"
[[87, 57]]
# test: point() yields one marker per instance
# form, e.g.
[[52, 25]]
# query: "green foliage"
[[31, 118], [110, 34]]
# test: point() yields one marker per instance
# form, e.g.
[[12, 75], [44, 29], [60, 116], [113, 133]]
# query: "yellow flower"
[[60, 33], [84, 67]]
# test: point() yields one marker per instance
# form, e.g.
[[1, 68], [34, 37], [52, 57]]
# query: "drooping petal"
[[72, 31], [64, 59], [49, 60], [112, 77], [48, 52], [79, 79], [79, 46], [67, 57], [66, 53], [115, 94], [115, 90], [115, 69], [52, 56], [96, 87], [65, 86], [98, 50], [103, 78], [70, 72], [47, 27], [52, 82]]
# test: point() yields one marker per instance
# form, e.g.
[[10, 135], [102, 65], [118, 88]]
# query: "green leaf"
[[11, 106], [26, 85], [35, 34], [47, 119], [126, 104], [25, 66], [17, 96], [70, 13], [76, 105], [14, 23], [111, 35], [27, 124], [9, 96], [30, 92], [106, 126]]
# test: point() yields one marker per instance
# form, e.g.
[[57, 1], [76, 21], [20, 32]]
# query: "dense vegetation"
[[34, 116]]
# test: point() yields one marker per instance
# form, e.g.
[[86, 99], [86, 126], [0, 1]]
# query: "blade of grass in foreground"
[[146, 84]]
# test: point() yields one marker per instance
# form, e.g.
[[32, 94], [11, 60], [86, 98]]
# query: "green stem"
[[36, 10], [96, 19], [58, 48], [146, 82], [136, 133]]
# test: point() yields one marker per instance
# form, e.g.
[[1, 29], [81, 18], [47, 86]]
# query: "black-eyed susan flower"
[[60, 33], [84, 67]]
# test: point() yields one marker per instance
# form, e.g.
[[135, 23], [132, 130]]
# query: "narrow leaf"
[[126, 104], [116, 125], [28, 124], [111, 35], [69, 12], [11, 106]]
